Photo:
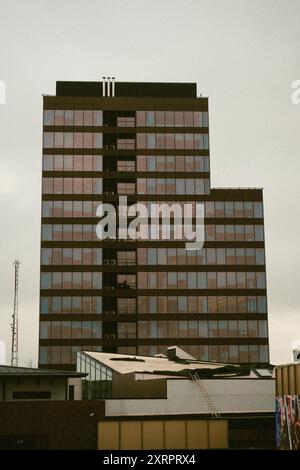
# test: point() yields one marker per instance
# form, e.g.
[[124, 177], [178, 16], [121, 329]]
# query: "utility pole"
[[14, 324]]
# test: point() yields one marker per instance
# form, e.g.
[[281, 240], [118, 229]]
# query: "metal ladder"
[[212, 409]]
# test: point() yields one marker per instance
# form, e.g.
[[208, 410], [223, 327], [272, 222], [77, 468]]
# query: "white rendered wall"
[[184, 397]]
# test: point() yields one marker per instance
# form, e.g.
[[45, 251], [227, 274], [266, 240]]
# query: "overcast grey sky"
[[243, 54]]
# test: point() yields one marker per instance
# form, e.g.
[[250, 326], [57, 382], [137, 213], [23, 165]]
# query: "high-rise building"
[[149, 142]]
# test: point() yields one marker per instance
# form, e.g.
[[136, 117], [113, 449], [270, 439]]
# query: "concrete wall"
[[163, 434], [57, 386], [184, 397]]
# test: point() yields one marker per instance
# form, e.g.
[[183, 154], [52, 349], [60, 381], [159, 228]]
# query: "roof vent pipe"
[[113, 86], [108, 87], [103, 86]]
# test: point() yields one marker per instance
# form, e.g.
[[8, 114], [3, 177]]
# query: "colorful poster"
[[288, 422]]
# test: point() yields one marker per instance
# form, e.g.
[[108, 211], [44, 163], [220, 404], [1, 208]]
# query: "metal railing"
[[211, 407]]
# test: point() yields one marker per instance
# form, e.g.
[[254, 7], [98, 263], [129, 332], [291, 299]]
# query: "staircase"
[[211, 407]]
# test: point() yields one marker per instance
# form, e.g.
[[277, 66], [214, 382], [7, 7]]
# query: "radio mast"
[[14, 324]]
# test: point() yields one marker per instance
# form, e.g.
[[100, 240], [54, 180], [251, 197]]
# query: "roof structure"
[[6, 371], [128, 364]]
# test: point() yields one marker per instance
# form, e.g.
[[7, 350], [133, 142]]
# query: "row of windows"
[[69, 117], [72, 185], [69, 208], [234, 233], [196, 304], [247, 233], [63, 354], [90, 140], [172, 141], [144, 163], [179, 256], [232, 353], [143, 118], [68, 232], [203, 329], [75, 280], [71, 256], [238, 233], [79, 232], [160, 256], [172, 118], [236, 209], [165, 186], [172, 186], [209, 280], [71, 304], [221, 209], [76, 140], [72, 162], [193, 280], [70, 329], [172, 163], [61, 117]]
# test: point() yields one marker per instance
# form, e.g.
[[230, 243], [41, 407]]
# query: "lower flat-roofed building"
[[288, 406], [177, 402], [27, 383], [42, 409]]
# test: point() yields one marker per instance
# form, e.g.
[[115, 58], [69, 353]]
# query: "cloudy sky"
[[243, 54]]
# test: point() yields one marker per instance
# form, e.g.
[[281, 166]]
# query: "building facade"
[[149, 142]]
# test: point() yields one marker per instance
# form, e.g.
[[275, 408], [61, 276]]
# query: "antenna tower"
[[14, 324]]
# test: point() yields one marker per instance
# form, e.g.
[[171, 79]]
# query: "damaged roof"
[[126, 364]]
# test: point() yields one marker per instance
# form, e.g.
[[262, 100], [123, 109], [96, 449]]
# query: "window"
[[126, 306], [126, 165], [261, 304], [47, 208], [126, 330], [258, 210], [126, 258], [126, 188], [126, 281], [229, 210], [48, 117], [141, 118], [31, 395], [259, 233], [261, 280], [126, 143], [259, 256], [150, 118], [45, 280], [179, 119]]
